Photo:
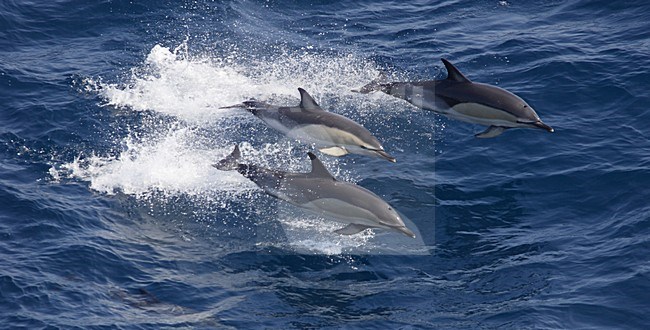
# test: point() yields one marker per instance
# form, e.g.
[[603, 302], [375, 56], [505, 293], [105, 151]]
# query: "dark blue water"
[[112, 217]]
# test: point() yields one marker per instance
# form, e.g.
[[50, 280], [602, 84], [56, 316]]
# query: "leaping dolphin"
[[459, 98], [319, 192], [335, 135]]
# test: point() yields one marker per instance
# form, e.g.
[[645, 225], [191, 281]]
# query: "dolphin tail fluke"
[[230, 162], [369, 88], [248, 105], [239, 105], [373, 86]]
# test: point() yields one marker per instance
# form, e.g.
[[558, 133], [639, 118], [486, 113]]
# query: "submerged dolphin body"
[[335, 135], [319, 192], [459, 98]]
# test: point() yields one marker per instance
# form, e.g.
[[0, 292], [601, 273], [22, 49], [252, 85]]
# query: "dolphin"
[[459, 98], [319, 192], [335, 135]]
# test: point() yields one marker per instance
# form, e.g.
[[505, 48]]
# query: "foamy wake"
[[176, 158]]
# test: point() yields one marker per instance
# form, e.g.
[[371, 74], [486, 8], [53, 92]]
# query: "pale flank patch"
[[277, 125], [326, 135], [343, 212], [334, 151], [482, 111], [482, 114]]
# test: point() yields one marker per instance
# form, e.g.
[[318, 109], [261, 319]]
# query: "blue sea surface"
[[112, 217]]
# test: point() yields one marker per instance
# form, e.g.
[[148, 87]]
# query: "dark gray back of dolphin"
[[458, 89], [334, 134], [319, 191], [458, 97]]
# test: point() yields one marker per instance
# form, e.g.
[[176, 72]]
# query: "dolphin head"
[[361, 141], [493, 103], [523, 112], [367, 144], [487, 102], [389, 217]]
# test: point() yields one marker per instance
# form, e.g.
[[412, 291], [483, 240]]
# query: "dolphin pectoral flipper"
[[334, 151], [352, 229], [491, 132]]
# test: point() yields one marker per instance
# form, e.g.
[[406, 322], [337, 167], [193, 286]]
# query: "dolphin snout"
[[541, 125], [385, 156], [406, 231]]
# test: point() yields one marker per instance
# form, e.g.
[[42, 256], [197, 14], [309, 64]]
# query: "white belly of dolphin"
[[342, 211], [481, 114], [324, 135], [276, 125]]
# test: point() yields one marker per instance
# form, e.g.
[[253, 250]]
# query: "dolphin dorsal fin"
[[318, 169], [307, 102], [231, 161], [453, 73]]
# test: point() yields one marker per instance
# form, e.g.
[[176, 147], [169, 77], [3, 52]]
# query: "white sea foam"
[[193, 88], [175, 158], [172, 164]]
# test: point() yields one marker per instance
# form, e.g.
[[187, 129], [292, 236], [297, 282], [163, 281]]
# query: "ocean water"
[[112, 217]]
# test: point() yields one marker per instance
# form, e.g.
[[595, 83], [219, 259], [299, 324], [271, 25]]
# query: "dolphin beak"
[[406, 231], [385, 156], [544, 126]]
